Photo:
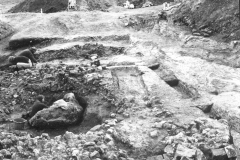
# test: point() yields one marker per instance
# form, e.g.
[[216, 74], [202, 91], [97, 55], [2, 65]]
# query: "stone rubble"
[[201, 139], [91, 145]]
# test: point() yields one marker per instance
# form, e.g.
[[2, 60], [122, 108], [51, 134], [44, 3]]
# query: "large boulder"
[[63, 112]]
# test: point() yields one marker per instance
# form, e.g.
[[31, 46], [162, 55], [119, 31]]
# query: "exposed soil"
[[149, 94], [221, 16]]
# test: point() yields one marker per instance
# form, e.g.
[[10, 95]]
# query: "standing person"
[[29, 53]]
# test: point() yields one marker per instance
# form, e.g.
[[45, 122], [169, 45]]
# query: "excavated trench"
[[79, 51], [54, 88], [72, 81], [53, 84], [15, 44], [184, 89], [54, 81], [44, 42]]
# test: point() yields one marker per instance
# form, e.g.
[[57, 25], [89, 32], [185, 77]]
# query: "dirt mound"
[[48, 6], [220, 15]]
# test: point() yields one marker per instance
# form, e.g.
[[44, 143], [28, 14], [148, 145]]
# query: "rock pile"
[[202, 139], [95, 145], [62, 77]]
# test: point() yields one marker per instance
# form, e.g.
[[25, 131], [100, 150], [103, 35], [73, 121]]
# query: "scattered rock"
[[160, 157], [154, 134], [231, 152], [154, 66], [169, 150], [186, 152], [95, 154], [113, 115], [206, 108], [96, 128], [219, 154]]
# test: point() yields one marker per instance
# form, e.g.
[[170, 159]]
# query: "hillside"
[[221, 16], [37, 5]]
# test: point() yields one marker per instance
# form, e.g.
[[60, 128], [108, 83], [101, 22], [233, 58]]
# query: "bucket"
[[19, 123]]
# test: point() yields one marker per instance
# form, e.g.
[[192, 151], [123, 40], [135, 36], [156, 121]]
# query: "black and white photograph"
[[119, 79]]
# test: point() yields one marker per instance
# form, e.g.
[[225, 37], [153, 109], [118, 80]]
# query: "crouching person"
[[29, 53], [20, 62], [36, 107]]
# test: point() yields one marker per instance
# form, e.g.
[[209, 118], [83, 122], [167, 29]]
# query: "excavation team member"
[[36, 107], [29, 53], [24, 60], [20, 62]]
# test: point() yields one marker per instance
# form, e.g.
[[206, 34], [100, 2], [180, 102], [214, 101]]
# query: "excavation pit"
[[77, 51], [54, 82], [184, 89]]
